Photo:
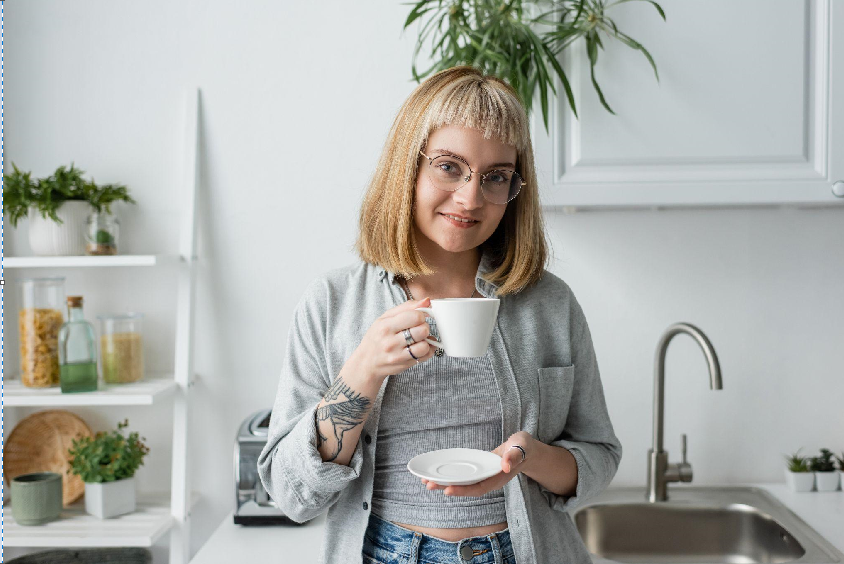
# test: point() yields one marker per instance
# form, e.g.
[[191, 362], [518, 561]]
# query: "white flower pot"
[[49, 238], [827, 481], [800, 481], [110, 499]]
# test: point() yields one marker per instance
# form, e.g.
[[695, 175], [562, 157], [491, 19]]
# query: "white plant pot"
[[110, 499], [800, 481], [827, 481], [49, 238]]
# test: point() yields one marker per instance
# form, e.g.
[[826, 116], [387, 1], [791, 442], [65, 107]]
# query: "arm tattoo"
[[343, 415]]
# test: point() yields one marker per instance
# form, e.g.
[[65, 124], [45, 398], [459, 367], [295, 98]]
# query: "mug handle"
[[430, 313]]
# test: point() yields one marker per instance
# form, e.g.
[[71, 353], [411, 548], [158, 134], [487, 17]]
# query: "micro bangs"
[[477, 105]]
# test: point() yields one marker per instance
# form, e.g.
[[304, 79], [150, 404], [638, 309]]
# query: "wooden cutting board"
[[39, 443]]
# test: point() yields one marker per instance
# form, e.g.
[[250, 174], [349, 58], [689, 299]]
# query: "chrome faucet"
[[660, 472]]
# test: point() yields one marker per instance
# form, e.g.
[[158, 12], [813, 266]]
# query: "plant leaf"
[[416, 12], [559, 70], [636, 45], [595, 82]]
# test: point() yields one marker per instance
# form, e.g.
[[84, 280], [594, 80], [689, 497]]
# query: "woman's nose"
[[470, 195]]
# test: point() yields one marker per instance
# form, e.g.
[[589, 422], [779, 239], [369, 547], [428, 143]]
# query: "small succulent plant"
[[823, 463], [797, 463]]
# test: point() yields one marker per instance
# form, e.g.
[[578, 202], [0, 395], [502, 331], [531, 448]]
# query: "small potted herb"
[[824, 469], [107, 463], [798, 475], [59, 207]]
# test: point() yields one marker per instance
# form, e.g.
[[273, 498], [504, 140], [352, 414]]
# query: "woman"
[[452, 211]]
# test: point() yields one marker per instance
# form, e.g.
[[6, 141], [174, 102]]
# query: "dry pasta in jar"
[[39, 346]]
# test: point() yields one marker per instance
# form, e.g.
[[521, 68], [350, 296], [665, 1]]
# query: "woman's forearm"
[[342, 412], [554, 468]]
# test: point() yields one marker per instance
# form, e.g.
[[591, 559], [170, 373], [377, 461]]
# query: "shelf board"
[[151, 519], [88, 261], [144, 392]]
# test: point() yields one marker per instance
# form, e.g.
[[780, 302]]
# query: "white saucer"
[[455, 466]]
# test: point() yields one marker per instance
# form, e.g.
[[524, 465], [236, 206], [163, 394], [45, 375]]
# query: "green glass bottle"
[[77, 351]]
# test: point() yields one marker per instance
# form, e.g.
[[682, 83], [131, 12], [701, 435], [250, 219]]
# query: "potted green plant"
[[503, 39], [59, 207], [107, 463], [798, 475], [825, 475]]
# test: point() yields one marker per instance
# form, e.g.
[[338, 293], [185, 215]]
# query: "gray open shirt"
[[548, 382]]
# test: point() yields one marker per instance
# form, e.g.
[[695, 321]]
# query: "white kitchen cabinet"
[[749, 109], [157, 514]]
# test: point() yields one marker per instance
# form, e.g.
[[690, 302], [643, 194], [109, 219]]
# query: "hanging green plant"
[[497, 37]]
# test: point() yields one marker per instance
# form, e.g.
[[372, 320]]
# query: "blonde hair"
[[460, 96]]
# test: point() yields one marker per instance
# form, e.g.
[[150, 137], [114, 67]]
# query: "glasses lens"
[[448, 173], [501, 186]]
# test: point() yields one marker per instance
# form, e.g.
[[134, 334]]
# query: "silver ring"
[[408, 338], [411, 353], [521, 449]]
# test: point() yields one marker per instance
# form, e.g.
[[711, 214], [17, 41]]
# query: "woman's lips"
[[460, 224]]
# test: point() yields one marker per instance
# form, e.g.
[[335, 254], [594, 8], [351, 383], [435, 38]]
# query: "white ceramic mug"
[[465, 324]]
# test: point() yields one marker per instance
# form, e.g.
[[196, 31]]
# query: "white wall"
[[297, 100]]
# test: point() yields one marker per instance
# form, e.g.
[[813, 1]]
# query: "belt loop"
[[414, 548], [496, 548]]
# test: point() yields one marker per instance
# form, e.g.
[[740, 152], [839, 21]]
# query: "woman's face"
[[433, 205]]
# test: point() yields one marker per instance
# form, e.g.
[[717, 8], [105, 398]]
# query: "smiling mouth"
[[459, 220]]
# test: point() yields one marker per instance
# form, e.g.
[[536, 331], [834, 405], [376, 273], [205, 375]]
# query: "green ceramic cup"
[[36, 497]]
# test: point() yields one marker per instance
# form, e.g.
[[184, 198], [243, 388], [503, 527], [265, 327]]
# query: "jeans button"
[[466, 552]]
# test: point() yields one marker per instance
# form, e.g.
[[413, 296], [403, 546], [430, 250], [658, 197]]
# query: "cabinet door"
[[749, 109]]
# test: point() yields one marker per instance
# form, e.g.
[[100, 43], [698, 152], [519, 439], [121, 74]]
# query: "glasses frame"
[[472, 172]]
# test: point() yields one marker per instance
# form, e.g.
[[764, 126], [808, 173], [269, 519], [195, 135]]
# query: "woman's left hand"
[[511, 466]]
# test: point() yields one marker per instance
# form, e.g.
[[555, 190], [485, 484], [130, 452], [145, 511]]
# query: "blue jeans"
[[387, 543]]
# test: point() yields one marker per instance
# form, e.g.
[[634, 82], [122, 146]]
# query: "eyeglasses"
[[449, 173]]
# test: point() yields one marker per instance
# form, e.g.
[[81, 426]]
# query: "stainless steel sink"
[[699, 525]]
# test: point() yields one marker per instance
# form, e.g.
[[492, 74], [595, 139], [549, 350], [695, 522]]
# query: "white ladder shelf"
[[155, 515]]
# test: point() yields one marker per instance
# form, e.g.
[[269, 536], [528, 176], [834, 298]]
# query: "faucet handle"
[[683, 438]]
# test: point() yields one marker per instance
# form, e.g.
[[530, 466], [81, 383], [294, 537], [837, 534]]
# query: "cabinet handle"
[[838, 188]]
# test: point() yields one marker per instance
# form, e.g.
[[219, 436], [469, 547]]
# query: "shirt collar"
[[485, 287]]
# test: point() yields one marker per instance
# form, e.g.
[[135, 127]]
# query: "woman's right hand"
[[383, 349]]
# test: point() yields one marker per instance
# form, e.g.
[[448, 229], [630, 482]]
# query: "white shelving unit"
[[143, 527], [158, 514], [84, 261], [145, 392]]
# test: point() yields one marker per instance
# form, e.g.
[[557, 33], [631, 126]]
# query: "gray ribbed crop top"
[[445, 402]]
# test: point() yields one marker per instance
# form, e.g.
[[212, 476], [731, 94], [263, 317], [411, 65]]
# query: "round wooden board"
[[39, 443]]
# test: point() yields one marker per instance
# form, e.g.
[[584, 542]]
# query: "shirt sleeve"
[[588, 433], [290, 466]]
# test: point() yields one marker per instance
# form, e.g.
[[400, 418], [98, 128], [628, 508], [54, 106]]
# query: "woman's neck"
[[454, 276]]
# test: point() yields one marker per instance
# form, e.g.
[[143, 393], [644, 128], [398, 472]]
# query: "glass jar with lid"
[[121, 347], [39, 321]]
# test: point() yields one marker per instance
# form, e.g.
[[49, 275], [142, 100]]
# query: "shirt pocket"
[[555, 387]]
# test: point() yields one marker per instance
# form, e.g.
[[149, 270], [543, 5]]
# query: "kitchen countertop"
[[823, 511]]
